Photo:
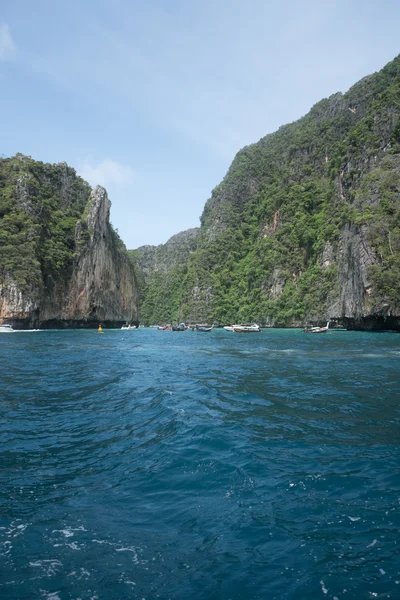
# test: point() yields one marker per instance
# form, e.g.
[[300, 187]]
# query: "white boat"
[[6, 329], [247, 328], [128, 327], [317, 329], [231, 327]]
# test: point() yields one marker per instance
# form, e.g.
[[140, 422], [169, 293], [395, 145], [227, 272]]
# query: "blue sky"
[[153, 99]]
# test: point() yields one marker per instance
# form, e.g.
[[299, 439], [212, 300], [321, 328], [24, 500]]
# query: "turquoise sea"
[[152, 464]]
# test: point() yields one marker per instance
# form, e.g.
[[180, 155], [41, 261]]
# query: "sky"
[[152, 99]]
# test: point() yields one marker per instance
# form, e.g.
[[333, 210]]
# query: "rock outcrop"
[[161, 273], [163, 258], [81, 274], [305, 226]]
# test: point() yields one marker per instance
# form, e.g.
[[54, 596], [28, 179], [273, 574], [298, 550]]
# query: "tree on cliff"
[[306, 223], [60, 259]]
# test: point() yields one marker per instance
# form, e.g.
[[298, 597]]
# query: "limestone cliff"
[[62, 264], [161, 272], [305, 225], [163, 258]]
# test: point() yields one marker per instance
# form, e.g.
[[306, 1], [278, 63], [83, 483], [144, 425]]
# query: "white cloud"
[[106, 172], [7, 46]]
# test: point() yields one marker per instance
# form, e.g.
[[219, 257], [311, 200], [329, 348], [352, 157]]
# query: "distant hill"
[[161, 271]]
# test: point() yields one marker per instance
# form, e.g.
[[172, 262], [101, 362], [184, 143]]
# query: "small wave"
[[50, 595], [167, 469], [50, 567], [323, 588]]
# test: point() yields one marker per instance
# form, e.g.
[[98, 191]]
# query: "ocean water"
[[152, 464]]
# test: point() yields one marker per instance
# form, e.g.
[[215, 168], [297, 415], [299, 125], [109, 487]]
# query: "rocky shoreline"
[[27, 324]]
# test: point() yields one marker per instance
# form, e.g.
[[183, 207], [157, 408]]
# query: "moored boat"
[[247, 328], [203, 328], [180, 327], [316, 329]]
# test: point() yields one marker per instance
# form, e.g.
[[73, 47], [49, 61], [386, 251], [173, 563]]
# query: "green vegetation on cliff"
[[60, 259], [40, 205], [305, 224], [161, 274]]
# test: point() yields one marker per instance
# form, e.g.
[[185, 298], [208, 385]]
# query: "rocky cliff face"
[[368, 249], [161, 273], [163, 258], [102, 286], [305, 225], [62, 264]]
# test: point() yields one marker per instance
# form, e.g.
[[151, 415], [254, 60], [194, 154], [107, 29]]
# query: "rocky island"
[[61, 262]]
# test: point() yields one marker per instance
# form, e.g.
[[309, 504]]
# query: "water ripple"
[[162, 465]]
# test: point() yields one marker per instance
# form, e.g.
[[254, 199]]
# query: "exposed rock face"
[[277, 285], [102, 286], [305, 226], [354, 256], [160, 259], [98, 283], [161, 274], [15, 304]]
